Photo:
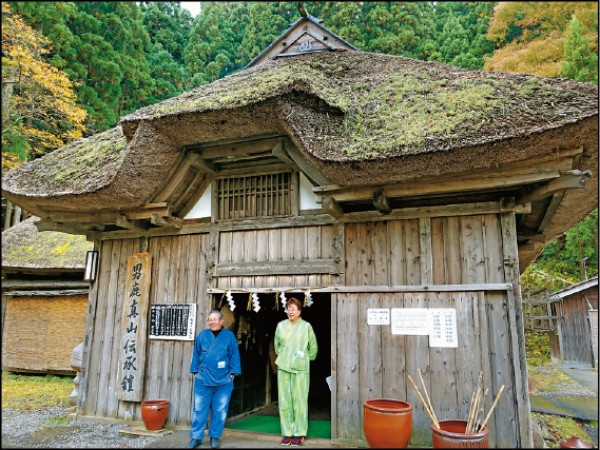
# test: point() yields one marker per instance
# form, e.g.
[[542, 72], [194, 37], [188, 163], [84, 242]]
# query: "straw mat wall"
[[40, 333]]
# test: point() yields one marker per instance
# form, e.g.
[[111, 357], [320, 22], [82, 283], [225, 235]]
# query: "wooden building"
[[44, 298], [401, 197], [574, 340]]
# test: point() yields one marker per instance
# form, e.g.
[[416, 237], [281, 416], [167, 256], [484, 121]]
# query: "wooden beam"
[[123, 222], [147, 211], [430, 186], [331, 207], [279, 152], [69, 228], [436, 211], [550, 211], [571, 179], [287, 267], [104, 216], [380, 201], [201, 164], [315, 177], [45, 284], [260, 166], [483, 287], [166, 222], [526, 235], [234, 149]]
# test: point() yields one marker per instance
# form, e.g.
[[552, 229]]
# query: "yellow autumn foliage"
[[39, 107], [530, 36]]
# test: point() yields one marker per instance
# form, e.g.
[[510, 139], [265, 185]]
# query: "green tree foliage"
[[571, 258], [215, 41], [168, 26], [537, 347], [461, 33], [120, 26], [102, 47], [226, 36], [266, 22], [395, 28], [580, 63]]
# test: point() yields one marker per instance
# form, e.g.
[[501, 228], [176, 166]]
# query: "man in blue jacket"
[[215, 363]]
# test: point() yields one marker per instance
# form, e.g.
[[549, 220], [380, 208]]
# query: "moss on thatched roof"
[[24, 247], [392, 106], [73, 168]]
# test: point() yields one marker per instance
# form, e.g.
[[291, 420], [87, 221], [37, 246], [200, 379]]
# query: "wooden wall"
[[285, 257], [371, 362], [367, 361], [182, 268], [178, 276], [572, 343], [40, 332]]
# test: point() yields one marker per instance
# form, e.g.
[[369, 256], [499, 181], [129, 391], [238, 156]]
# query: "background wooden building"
[[374, 183], [44, 298], [574, 340]]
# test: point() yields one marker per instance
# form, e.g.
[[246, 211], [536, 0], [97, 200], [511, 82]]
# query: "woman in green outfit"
[[295, 347]]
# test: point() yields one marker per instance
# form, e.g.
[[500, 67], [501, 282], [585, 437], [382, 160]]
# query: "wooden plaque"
[[134, 323]]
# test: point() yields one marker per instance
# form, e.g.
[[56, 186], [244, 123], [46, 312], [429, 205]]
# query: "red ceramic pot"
[[387, 423], [452, 435], [154, 413]]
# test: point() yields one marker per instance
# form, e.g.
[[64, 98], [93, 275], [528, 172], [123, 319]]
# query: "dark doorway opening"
[[255, 392]]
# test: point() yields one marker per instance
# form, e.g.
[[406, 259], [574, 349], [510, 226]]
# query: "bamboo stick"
[[471, 403], [427, 397], [472, 411], [492, 408], [480, 412], [474, 405], [433, 419]]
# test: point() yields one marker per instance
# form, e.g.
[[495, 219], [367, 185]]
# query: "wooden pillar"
[[515, 317]]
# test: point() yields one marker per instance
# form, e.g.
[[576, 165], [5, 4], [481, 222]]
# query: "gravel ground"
[[47, 429], [50, 429]]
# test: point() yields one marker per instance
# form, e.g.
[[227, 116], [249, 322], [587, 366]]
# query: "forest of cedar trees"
[[72, 69]]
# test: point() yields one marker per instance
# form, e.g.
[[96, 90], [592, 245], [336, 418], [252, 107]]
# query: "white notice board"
[[378, 316], [442, 327], [413, 321]]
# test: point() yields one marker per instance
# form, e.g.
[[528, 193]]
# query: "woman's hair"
[[296, 302]]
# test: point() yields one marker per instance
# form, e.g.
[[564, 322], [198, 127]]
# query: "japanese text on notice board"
[[437, 323]]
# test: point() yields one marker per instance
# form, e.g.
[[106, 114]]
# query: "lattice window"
[[254, 196], [539, 315]]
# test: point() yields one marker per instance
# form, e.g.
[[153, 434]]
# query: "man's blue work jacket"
[[215, 358]]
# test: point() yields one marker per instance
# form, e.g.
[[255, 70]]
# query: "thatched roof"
[[350, 110], [26, 248], [357, 118]]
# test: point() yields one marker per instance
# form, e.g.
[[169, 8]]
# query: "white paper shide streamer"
[[255, 303], [229, 298], [283, 299], [308, 298]]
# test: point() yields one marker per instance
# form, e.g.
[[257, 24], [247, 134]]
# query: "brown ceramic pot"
[[574, 442], [154, 413], [452, 435], [387, 423]]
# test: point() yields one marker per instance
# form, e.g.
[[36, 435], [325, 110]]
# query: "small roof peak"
[[302, 10], [304, 13], [306, 35]]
